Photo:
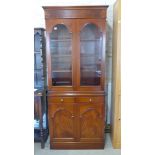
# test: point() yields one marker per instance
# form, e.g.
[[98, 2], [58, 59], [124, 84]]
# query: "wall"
[[39, 13], [40, 22], [109, 31]]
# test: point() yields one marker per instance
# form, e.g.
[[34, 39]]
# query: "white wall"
[[40, 22], [39, 13]]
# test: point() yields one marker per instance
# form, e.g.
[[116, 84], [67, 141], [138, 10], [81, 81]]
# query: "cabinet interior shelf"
[[96, 62], [88, 55], [64, 40], [60, 55], [88, 70], [61, 71], [62, 46], [60, 40], [89, 39]]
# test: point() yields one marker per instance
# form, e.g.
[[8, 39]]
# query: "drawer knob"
[[62, 100], [90, 100]]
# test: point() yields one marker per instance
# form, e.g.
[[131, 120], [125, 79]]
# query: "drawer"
[[90, 99], [61, 99]]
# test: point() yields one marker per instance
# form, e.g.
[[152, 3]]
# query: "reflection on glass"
[[90, 55], [60, 46], [37, 42], [38, 82]]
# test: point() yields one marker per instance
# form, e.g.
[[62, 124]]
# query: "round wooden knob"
[[62, 100], [90, 100]]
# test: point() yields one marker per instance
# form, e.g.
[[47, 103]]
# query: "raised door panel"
[[60, 47], [91, 54], [62, 120], [91, 122]]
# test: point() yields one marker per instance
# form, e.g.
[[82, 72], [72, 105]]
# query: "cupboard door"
[[91, 121], [62, 119]]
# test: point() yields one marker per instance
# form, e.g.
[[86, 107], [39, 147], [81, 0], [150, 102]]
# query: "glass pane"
[[90, 55], [38, 83], [60, 46], [37, 61], [37, 42]]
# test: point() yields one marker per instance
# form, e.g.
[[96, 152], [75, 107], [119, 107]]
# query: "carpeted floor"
[[108, 150]]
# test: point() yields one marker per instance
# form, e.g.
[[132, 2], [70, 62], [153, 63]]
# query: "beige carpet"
[[108, 150]]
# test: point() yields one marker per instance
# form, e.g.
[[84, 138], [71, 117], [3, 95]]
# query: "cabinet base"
[[76, 145]]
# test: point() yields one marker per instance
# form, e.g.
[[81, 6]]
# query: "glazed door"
[[60, 47], [91, 39]]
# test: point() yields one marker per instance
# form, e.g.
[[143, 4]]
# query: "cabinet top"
[[75, 11], [77, 7]]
